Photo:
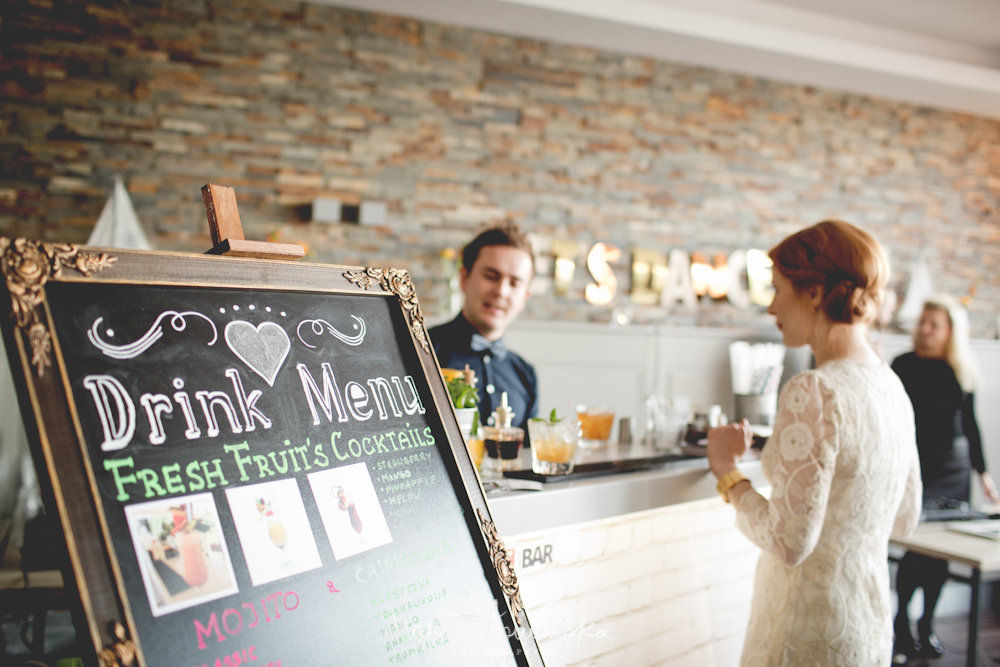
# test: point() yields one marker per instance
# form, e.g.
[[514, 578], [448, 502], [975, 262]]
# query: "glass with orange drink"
[[553, 444], [595, 424]]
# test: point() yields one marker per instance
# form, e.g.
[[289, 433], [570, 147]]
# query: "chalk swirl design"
[[133, 350], [319, 326]]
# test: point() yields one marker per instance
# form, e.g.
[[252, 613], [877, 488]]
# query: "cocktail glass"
[[476, 450], [347, 505], [596, 425], [192, 558], [275, 530], [553, 446], [279, 537]]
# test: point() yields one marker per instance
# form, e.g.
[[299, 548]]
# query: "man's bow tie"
[[497, 347]]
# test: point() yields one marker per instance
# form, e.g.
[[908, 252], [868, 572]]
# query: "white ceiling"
[[972, 22], [939, 53]]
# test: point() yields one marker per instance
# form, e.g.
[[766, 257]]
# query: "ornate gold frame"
[[398, 282], [28, 266]]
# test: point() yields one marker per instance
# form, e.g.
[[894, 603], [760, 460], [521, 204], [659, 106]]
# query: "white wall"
[[596, 365]]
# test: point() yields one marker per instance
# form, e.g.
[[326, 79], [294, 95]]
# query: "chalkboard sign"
[[255, 463]]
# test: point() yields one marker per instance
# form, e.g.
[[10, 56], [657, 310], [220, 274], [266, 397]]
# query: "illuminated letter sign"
[[597, 261], [649, 275]]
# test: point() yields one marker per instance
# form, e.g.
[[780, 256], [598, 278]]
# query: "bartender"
[[496, 273]]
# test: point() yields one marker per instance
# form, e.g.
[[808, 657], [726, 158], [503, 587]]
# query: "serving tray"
[[596, 468]]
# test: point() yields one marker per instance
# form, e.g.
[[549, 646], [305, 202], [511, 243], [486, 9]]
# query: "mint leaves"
[[551, 420], [462, 395]]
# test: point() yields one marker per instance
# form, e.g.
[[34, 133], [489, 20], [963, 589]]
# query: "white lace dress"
[[844, 475]]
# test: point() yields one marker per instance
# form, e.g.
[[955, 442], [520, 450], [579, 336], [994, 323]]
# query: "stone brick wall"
[[453, 128], [670, 586]]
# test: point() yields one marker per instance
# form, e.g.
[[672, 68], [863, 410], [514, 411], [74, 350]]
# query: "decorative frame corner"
[[398, 282], [120, 653], [26, 266]]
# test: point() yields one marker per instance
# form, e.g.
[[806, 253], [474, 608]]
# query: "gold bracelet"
[[728, 481]]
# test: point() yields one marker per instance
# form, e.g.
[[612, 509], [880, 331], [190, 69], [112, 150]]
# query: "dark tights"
[[916, 571]]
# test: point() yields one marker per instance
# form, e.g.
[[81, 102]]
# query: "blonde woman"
[[940, 378], [842, 464]]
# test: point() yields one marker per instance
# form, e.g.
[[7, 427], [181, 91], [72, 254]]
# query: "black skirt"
[[951, 479]]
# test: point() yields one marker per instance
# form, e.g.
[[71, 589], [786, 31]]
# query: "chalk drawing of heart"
[[263, 348]]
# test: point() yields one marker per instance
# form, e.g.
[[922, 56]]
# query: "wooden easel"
[[227, 230]]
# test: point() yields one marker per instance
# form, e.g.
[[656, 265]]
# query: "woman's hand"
[[989, 488], [727, 445]]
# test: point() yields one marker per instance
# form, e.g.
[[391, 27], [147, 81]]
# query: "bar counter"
[[560, 504], [642, 567]]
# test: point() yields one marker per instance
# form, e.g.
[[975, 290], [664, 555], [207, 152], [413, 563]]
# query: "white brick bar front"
[[632, 569]]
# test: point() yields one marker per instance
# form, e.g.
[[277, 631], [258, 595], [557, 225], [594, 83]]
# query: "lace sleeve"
[[908, 514], [803, 454]]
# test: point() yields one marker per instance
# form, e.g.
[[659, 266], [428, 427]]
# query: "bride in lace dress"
[[842, 464]]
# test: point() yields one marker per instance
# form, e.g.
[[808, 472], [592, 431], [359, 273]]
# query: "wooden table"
[[980, 554]]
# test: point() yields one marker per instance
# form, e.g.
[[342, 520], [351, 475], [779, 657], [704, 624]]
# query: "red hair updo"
[[848, 262]]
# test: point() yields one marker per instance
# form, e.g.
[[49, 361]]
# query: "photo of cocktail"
[[183, 556], [553, 444], [193, 562], [274, 530], [190, 544], [345, 504], [351, 508]]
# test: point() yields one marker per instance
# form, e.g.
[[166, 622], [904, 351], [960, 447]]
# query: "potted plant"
[[464, 398]]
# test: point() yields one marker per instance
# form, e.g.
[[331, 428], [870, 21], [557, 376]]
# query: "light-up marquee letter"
[[649, 275], [759, 277], [606, 283], [565, 253]]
